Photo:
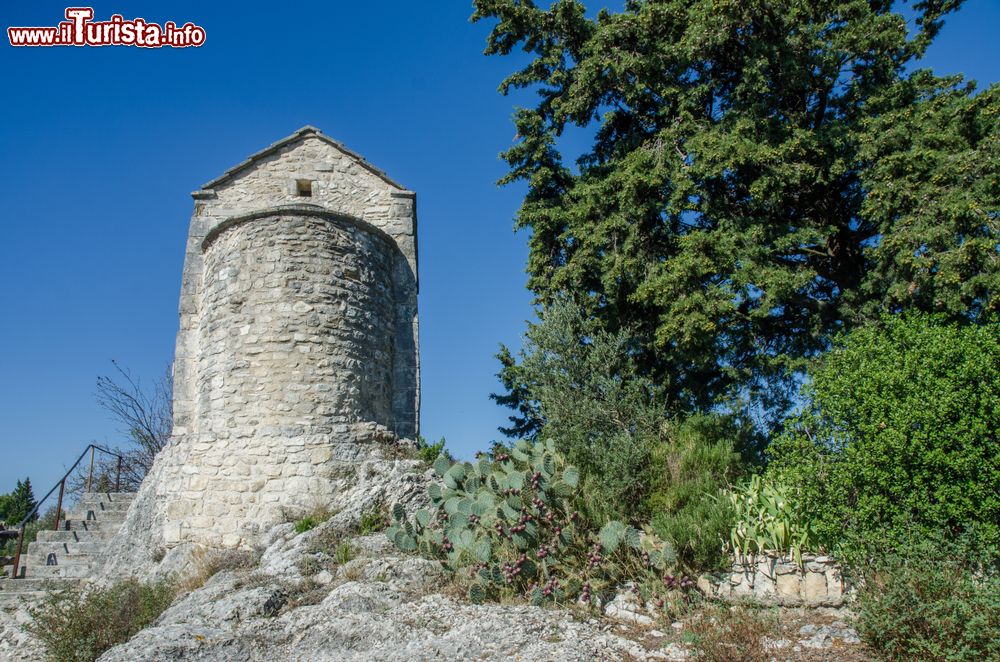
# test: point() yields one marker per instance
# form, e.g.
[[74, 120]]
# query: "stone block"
[[814, 589]]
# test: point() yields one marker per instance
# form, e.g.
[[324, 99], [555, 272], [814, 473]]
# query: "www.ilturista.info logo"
[[79, 29]]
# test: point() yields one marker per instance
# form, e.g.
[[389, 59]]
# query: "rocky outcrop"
[[328, 594]]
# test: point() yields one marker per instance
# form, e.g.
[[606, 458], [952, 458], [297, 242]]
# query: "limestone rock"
[[379, 606], [16, 645], [627, 608]]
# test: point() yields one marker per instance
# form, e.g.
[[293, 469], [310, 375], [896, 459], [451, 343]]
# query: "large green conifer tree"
[[763, 173]]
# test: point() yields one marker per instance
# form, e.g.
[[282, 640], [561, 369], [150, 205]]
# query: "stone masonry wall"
[[293, 354], [341, 183], [297, 347], [773, 580]]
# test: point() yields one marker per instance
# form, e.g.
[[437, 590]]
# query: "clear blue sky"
[[99, 149]]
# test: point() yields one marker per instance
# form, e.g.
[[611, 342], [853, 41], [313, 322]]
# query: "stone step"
[[76, 548], [42, 549], [7, 571], [80, 509], [38, 568], [103, 525], [100, 504], [112, 517], [76, 536], [110, 496], [71, 570]]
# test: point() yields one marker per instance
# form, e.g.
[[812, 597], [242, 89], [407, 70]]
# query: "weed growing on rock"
[[373, 520], [206, 563], [344, 553], [312, 520]]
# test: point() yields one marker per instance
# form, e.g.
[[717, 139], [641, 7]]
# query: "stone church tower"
[[297, 348]]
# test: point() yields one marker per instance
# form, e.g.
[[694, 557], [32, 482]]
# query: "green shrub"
[[429, 452], [76, 626], [343, 553], [698, 532], [902, 435], [307, 523], [508, 526], [577, 384], [934, 601], [373, 520], [696, 459]]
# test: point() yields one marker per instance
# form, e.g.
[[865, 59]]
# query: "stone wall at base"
[[775, 580]]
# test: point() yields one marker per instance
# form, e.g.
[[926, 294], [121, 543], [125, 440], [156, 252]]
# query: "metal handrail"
[[92, 449]]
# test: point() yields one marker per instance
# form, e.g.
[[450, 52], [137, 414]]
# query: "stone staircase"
[[67, 558]]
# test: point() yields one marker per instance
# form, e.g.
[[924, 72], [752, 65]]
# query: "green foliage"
[[766, 520], [373, 520], [584, 393], [508, 526], [933, 601], [582, 389], [699, 532], [307, 523], [16, 505], [313, 519], [764, 174], [902, 436], [696, 459], [76, 626], [343, 553], [429, 452]]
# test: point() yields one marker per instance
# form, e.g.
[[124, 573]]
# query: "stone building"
[[297, 347]]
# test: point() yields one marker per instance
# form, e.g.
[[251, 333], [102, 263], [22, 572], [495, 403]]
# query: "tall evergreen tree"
[[763, 173], [19, 503]]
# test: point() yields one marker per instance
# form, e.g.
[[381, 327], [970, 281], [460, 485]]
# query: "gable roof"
[[300, 135]]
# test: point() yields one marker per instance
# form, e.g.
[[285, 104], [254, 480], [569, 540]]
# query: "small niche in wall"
[[303, 188]]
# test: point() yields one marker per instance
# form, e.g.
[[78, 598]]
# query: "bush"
[[578, 385], [79, 626], [373, 520], [934, 601], [508, 526], [429, 452], [902, 435], [696, 459], [307, 523], [313, 519]]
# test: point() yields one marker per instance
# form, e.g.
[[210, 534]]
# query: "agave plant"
[[509, 521], [767, 520]]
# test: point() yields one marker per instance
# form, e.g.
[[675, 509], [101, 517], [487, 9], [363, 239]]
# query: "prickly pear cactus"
[[508, 523]]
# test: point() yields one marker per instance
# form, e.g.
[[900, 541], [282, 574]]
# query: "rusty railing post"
[[62, 487], [118, 475], [90, 473], [17, 553]]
